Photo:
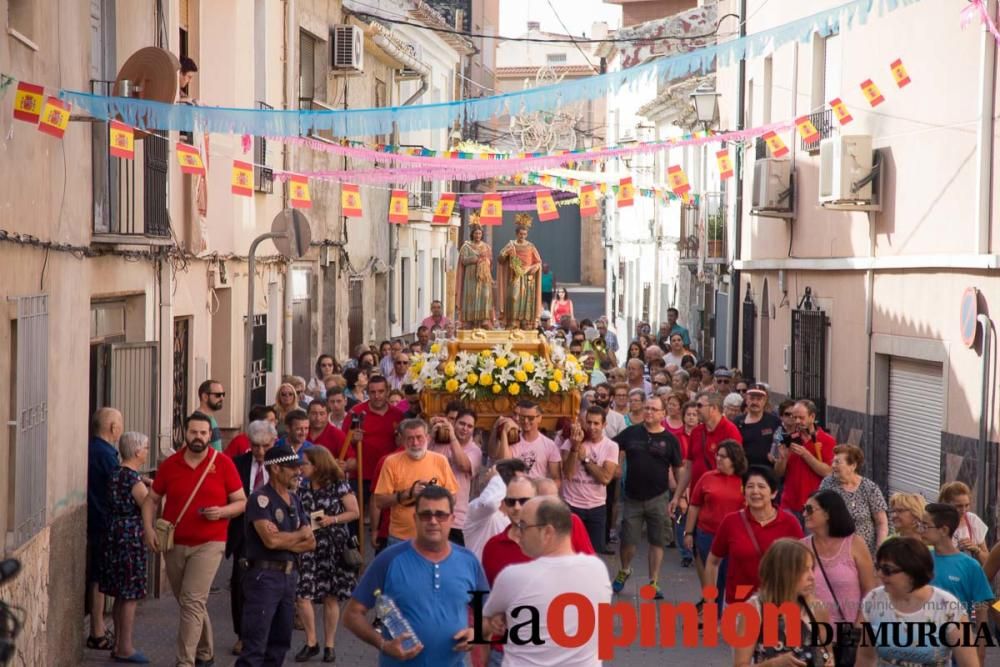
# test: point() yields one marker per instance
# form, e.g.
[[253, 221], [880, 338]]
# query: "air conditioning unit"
[[347, 50], [843, 161], [772, 185]]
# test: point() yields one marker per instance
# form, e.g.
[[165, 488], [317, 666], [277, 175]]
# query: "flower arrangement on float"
[[497, 371]]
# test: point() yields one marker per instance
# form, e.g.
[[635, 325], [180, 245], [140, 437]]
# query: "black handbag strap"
[[753, 538], [819, 561]]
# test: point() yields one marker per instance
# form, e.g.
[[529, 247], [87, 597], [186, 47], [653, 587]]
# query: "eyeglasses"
[[722, 380], [511, 502], [220, 394], [808, 510], [402, 363], [888, 570], [742, 391], [920, 526], [522, 526], [652, 408], [528, 417], [439, 515], [702, 405]]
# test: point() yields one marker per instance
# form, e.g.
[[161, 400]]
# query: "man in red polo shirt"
[[325, 434], [377, 434], [703, 442], [805, 460], [201, 526]]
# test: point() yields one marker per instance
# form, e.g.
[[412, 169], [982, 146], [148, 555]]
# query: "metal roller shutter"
[[915, 416]]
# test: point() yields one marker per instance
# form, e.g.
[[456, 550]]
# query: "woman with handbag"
[[324, 576], [786, 576], [843, 566]]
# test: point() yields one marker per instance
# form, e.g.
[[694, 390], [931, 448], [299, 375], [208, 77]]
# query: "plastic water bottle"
[[393, 620]]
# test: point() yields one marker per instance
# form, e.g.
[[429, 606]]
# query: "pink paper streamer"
[[246, 142], [978, 7]]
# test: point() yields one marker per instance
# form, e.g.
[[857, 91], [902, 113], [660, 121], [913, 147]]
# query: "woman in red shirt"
[[744, 536], [561, 305], [717, 493]]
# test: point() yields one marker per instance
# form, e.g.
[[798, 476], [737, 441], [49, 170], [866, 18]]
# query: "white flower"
[[505, 375], [535, 387]]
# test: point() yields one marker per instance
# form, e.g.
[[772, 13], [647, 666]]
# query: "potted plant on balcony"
[[716, 235]]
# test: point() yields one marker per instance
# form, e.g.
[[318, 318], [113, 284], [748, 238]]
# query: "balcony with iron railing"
[[263, 176], [704, 230]]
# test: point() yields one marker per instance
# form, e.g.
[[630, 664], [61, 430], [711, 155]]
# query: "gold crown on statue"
[[523, 220], [474, 219]]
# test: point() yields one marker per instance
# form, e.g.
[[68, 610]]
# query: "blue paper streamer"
[[370, 122]]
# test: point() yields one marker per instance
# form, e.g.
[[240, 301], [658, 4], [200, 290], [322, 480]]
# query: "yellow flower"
[[553, 386], [451, 386], [449, 369], [435, 348], [513, 389], [525, 354], [520, 376], [485, 354], [557, 375], [528, 367], [417, 365], [502, 362], [579, 378], [570, 358], [472, 378], [497, 388], [485, 379]]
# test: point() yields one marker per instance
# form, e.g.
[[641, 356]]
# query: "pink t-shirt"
[[582, 490], [536, 455], [464, 479]]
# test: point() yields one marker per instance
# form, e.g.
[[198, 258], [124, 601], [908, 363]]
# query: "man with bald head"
[[543, 530], [107, 426]]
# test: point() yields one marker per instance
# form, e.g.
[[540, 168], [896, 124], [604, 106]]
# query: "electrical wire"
[[575, 43]]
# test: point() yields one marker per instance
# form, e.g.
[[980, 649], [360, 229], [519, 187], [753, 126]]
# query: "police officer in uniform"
[[277, 528]]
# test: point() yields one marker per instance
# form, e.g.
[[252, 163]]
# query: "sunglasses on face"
[[427, 515], [887, 569], [511, 502], [220, 394], [808, 510]]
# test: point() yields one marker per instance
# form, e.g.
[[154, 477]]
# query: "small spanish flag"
[[55, 118], [872, 93], [121, 140], [899, 72], [840, 111], [725, 164], [28, 102], [626, 193], [545, 206], [242, 179], [189, 158], [350, 200], [678, 180], [443, 209], [775, 144], [491, 212], [806, 129], [298, 192], [588, 200], [399, 207]]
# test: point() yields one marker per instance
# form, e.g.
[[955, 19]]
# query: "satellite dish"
[[149, 74], [292, 233]]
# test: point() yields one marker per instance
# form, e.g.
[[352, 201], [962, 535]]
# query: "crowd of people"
[[750, 492]]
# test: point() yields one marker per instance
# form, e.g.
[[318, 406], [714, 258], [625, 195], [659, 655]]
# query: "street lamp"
[[706, 104]]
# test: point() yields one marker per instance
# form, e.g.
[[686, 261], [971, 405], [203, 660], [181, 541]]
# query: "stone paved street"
[[156, 625]]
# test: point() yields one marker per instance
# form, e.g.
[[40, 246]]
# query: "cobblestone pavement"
[[156, 625]]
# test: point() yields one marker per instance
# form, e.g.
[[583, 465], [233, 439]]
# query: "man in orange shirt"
[[405, 474]]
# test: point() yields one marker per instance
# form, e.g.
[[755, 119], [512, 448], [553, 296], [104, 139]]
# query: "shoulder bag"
[[845, 650], [165, 529]]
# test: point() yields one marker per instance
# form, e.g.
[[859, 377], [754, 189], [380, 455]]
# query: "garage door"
[[916, 408]]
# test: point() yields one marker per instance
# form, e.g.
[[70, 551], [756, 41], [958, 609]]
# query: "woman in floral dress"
[[323, 577], [123, 570]]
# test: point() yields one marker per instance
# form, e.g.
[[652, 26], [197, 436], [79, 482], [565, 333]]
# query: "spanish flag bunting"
[[777, 146], [444, 208], [588, 200], [399, 207], [298, 192], [55, 118], [242, 179], [840, 111], [545, 206], [28, 102], [121, 140], [350, 200], [678, 180], [189, 158], [806, 129], [725, 164], [899, 72], [872, 93], [491, 212], [626, 193]]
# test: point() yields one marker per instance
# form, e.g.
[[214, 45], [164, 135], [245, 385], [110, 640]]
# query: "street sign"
[[969, 313], [292, 233]]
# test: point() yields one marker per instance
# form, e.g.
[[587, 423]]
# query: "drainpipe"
[[166, 358], [734, 320], [984, 134], [286, 332], [983, 492], [869, 332]]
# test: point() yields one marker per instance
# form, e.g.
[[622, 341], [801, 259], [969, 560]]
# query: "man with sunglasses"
[[211, 396], [430, 580], [757, 426], [538, 452], [400, 371]]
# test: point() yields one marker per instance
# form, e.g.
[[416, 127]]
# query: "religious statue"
[[519, 278], [475, 279]]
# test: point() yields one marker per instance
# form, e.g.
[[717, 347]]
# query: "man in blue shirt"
[[956, 572], [672, 315], [107, 426], [297, 432], [430, 580]]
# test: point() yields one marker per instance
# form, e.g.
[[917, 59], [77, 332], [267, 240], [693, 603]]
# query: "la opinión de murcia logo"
[[619, 624]]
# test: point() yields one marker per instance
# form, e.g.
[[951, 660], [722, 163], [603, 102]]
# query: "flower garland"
[[497, 371]]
